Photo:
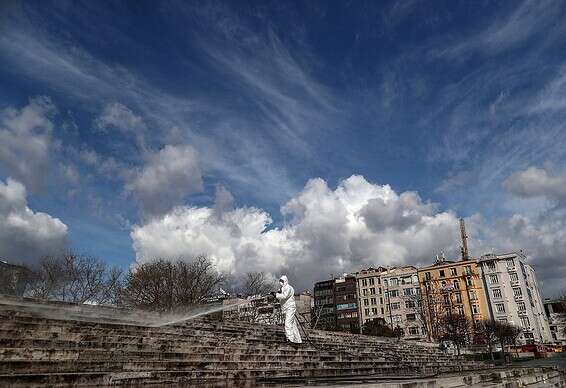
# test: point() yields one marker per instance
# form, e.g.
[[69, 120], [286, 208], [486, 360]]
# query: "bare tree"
[[487, 329], [162, 285], [430, 309], [256, 283], [456, 328], [74, 278], [14, 279], [506, 334]]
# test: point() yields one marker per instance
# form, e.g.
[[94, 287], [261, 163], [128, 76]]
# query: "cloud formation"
[[25, 141], [328, 231], [167, 177], [26, 235], [537, 182]]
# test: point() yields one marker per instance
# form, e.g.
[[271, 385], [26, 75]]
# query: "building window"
[[491, 265], [411, 317], [371, 281], [496, 293], [380, 300], [468, 270], [427, 275], [453, 272], [469, 282], [493, 279], [441, 273], [473, 295], [385, 282], [382, 311], [517, 292], [374, 311], [364, 292], [394, 282], [410, 304], [408, 291], [394, 293], [456, 284], [373, 301], [372, 291], [366, 302], [414, 330], [525, 322], [460, 310], [395, 306], [458, 298], [366, 311], [475, 309], [510, 264], [364, 282], [521, 306], [500, 307], [380, 292], [514, 277]]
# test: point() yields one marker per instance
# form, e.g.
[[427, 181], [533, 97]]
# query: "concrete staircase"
[[36, 350]]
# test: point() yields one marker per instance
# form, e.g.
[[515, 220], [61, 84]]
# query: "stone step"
[[23, 354], [203, 378], [44, 366]]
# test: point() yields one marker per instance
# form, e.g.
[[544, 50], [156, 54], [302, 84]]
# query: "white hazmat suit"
[[286, 297]]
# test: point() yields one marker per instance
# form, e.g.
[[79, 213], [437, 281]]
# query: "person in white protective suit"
[[286, 297]]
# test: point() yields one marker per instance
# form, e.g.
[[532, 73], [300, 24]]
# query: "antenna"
[[465, 254]]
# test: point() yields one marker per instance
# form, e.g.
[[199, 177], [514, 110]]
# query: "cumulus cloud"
[[166, 179], [25, 141], [328, 231], [537, 182], [26, 235], [542, 238]]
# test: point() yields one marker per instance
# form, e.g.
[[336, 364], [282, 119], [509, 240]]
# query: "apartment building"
[[336, 304], [514, 296], [452, 287], [556, 313], [346, 296], [401, 293], [324, 312], [371, 299]]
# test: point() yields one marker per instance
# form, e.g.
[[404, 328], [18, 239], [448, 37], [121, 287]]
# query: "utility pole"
[[464, 236]]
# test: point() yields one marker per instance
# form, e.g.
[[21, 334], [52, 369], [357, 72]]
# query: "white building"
[[556, 313], [371, 299], [513, 295]]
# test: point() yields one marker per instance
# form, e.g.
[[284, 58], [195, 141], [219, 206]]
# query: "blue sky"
[[243, 131]]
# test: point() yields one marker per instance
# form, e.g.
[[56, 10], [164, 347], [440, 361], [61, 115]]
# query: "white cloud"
[[121, 117], [528, 19], [25, 141], [26, 235], [537, 182], [329, 231], [166, 179], [542, 238]]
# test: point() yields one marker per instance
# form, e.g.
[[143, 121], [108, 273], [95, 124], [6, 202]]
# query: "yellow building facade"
[[449, 287]]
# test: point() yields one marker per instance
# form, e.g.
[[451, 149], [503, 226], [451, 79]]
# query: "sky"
[[300, 138]]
